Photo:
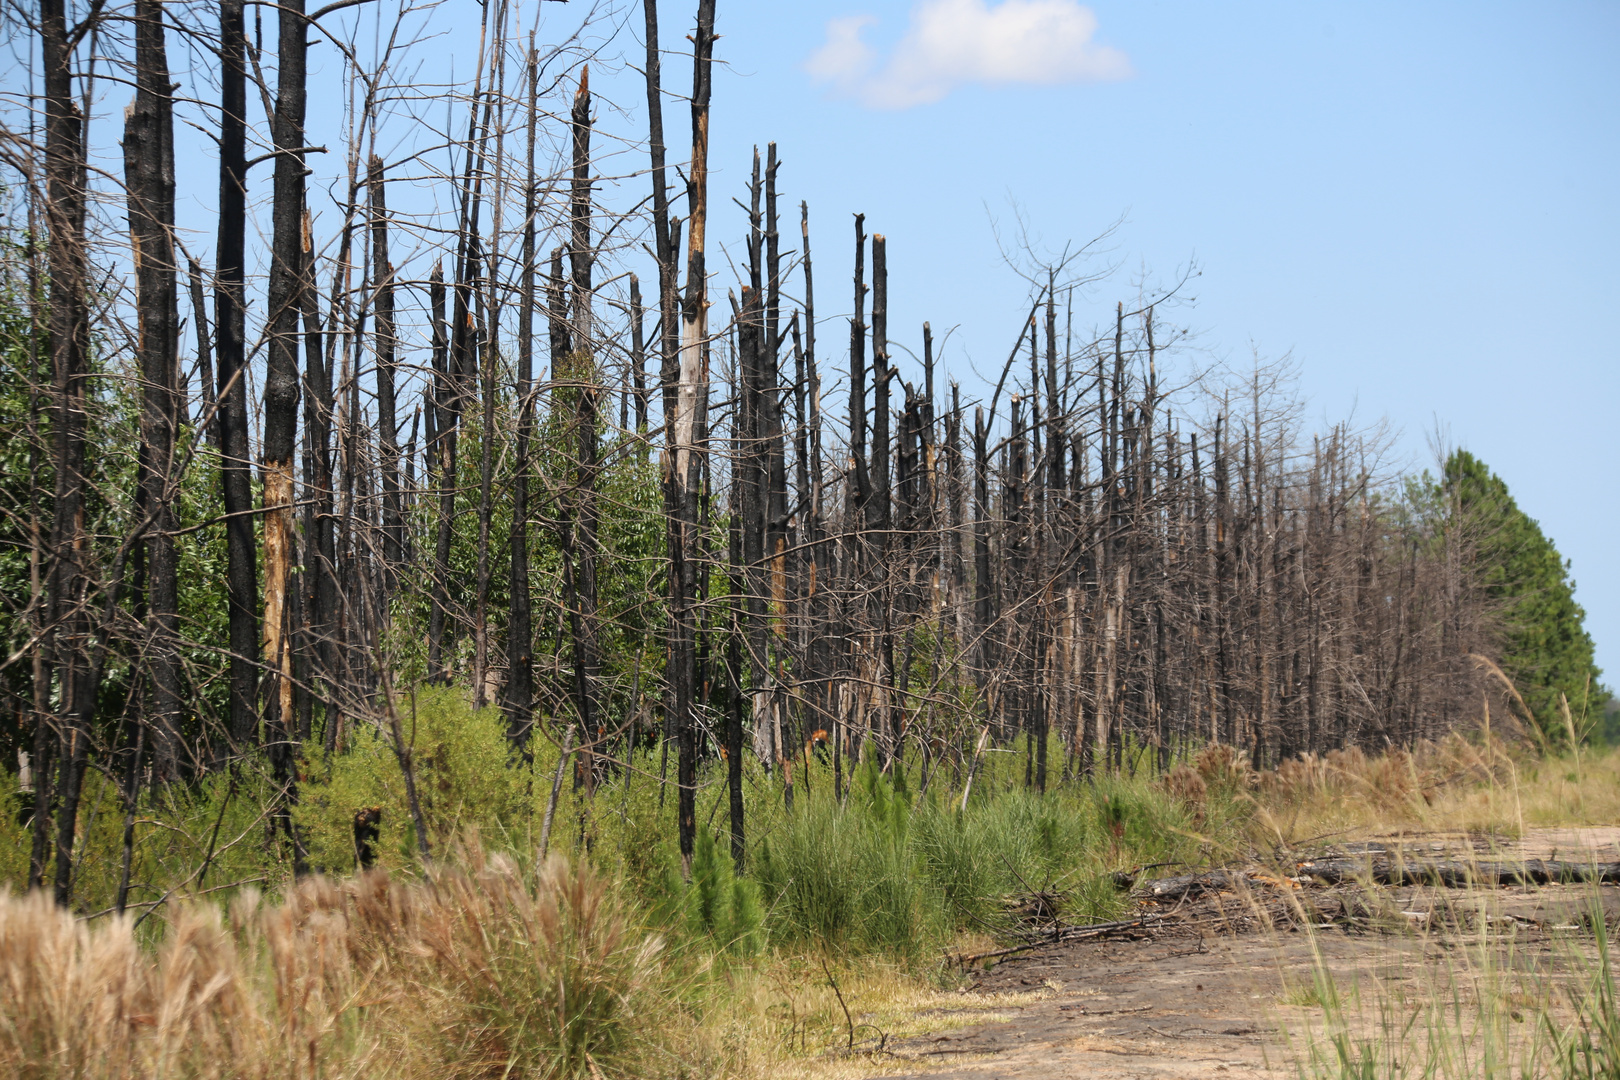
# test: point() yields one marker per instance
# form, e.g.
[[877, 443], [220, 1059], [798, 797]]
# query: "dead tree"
[[149, 191]]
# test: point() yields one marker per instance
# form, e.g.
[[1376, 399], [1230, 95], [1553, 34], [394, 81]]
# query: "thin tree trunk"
[[149, 187], [586, 395], [205, 366], [132, 791], [387, 424], [68, 641], [446, 414], [678, 669], [519, 626], [288, 282], [774, 448], [638, 356], [690, 421], [322, 614], [230, 321]]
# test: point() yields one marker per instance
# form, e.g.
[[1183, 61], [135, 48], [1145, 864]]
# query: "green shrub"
[[849, 875], [465, 781]]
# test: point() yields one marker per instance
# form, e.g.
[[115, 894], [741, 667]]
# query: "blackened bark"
[[879, 516], [67, 614], [981, 544], [581, 364], [678, 664], [581, 256], [770, 403], [320, 614], [442, 453], [857, 379], [285, 295], [738, 602], [749, 508], [557, 329], [879, 512], [383, 336], [149, 189], [638, 356], [205, 365], [520, 627], [691, 418], [230, 322]]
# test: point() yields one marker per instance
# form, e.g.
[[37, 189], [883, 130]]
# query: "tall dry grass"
[[1486, 1002], [475, 971]]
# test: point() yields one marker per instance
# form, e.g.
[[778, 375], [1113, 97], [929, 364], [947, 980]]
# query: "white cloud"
[[951, 43]]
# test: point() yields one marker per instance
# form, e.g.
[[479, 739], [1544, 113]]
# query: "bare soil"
[[1223, 985]]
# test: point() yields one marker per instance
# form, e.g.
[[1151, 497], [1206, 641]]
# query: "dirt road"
[[1229, 988]]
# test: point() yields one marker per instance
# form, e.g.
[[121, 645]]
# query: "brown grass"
[[1456, 784], [476, 971]]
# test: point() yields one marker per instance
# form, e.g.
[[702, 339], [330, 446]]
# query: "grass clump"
[[891, 873], [716, 907], [847, 876], [479, 970], [1489, 1006]]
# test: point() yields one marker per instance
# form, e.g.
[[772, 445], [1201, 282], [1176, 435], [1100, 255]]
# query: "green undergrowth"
[[858, 884], [892, 864]]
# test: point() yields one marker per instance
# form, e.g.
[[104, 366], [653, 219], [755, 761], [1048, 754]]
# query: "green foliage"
[[464, 782], [845, 876], [897, 875], [717, 906], [1546, 649], [218, 822]]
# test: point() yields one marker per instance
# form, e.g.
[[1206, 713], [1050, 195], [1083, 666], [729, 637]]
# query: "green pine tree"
[[1545, 647]]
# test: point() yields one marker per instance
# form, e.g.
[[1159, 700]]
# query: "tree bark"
[[691, 419], [384, 337], [67, 602], [288, 282], [580, 535], [230, 332], [446, 415], [149, 190], [519, 626]]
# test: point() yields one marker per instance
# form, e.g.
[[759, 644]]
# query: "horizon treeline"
[[492, 429]]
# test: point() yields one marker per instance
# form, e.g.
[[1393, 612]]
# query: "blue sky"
[[1418, 202]]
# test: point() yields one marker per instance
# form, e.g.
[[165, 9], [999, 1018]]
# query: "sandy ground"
[[1227, 989]]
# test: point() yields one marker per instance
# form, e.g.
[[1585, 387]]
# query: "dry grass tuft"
[[1223, 768], [478, 971], [1185, 784], [1458, 784]]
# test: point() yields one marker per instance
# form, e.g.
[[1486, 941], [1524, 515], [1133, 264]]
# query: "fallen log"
[[1456, 873], [1190, 886], [1066, 933]]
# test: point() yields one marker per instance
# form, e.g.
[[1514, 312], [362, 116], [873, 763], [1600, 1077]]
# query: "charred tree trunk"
[[287, 286], [321, 615], [775, 457], [582, 543], [446, 413], [879, 515], [393, 518], [230, 333], [67, 642], [678, 668], [689, 423], [149, 187], [519, 626], [638, 356]]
